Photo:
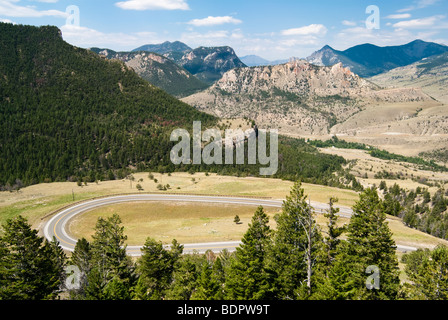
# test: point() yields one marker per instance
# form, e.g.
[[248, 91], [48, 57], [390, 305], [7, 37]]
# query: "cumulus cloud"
[[312, 29], [214, 21], [153, 5], [419, 23], [86, 37]]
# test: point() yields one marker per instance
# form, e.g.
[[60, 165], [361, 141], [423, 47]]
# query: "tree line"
[[299, 260]]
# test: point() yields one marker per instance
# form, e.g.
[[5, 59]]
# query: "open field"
[[403, 128], [185, 222], [364, 164], [35, 202], [192, 223]]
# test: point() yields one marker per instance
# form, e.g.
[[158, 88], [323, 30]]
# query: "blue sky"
[[272, 29]]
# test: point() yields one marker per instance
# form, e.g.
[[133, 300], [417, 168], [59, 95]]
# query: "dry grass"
[[366, 164], [185, 222], [193, 223], [37, 201]]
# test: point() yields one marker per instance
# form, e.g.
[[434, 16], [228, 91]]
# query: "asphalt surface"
[[56, 226]]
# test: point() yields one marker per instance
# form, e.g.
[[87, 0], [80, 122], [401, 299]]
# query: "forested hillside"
[[66, 113]]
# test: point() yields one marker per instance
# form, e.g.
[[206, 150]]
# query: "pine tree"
[[210, 282], [295, 246], [30, 268], [247, 278], [82, 259], [108, 256], [184, 279], [328, 260], [155, 269], [334, 232], [428, 271], [369, 243]]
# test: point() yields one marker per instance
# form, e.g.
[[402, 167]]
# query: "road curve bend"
[[56, 225]]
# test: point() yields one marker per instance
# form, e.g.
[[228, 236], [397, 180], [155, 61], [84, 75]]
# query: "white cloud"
[[399, 16], [9, 8], [420, 4], [349, 23], [85, 38], [419, 23], [312, 29], [214, 21], [153, 5]]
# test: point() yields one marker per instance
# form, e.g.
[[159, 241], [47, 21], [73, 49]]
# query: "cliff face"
[[297, 96], [297, 77], [209, 64]]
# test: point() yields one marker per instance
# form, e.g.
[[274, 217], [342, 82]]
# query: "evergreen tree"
[[325, 286], [334, 232], [30, 268], [210, 283], [428, 271], [369, 244], [247, 278], [155, 269], [82, 259], [294, 248], [184, 279], [109, 259]]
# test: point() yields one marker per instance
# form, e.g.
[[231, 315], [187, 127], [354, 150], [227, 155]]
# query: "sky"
[[277, 29]]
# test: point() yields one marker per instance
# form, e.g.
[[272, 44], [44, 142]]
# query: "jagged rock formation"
[[296, 97]]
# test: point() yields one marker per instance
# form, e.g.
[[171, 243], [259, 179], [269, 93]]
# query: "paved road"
[[56, 226]]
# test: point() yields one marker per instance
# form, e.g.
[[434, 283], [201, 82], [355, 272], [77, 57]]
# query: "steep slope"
[[158, 70], [67, 113], [209, 63], [429, 74], [296, 97], [368, 60]]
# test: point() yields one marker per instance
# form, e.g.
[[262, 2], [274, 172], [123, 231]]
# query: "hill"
[[429, 74], [298, 97], [368, 60], [158, 70], [68, 114]]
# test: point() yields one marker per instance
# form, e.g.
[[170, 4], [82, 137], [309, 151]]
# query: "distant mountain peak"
[[368, 59], [165, 47], [326, 47]]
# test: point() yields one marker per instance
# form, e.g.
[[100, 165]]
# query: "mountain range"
[[368, 60], [158, 70], [208, 64]]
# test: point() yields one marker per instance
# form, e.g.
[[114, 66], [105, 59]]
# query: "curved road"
[[56, 226]]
